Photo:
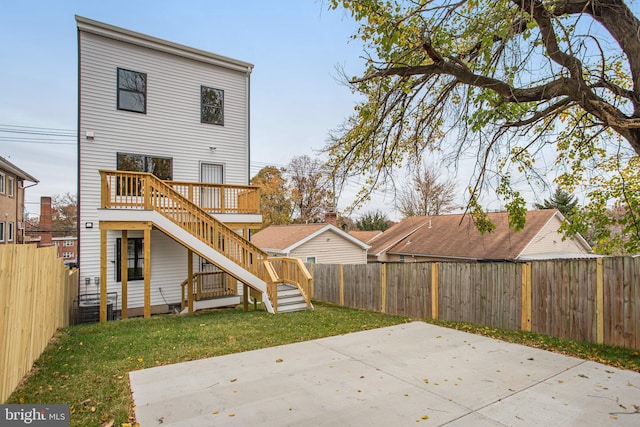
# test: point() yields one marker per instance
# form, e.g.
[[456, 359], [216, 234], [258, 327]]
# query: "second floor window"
[[211, 105], [11, 183], [132, 91], [2, 184]]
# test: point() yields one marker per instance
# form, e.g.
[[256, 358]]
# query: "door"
[[210, 197], [211, 283]]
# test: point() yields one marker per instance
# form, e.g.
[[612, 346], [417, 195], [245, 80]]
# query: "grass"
[[619, 357], [87, 366]]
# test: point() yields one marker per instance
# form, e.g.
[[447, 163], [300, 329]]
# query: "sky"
[[296, 47]]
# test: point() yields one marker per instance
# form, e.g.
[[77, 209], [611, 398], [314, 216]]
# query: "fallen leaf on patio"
[[215, 412], [426, 380], [233, 380], [278, 360], [582, 376], [232, 415], [425, 417]]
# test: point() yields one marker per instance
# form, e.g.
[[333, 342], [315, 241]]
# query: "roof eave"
[[128, 36]]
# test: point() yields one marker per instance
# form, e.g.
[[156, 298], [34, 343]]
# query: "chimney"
[[46, 222], [331, 218]]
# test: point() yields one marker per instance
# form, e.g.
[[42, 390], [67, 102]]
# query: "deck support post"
[[124, 273], [103, 275], [190, 280], [245, 297], [147, 272]]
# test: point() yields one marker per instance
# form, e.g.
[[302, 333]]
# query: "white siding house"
[[177, 112], [314, 243]]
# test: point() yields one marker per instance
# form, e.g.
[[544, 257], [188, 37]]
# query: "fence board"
[[563, 294], [36, 298]]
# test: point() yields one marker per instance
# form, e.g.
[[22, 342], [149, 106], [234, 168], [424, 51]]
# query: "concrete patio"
[[409, 374]]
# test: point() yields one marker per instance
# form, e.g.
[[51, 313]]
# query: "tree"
[[373, 220], [64, 215], [309, 189], [275, 203], [427, 195], [561, 200], [504, 82]]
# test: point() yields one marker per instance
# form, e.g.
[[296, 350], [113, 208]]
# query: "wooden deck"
[[190, 206]]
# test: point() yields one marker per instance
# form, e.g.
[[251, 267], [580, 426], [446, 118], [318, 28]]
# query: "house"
[[163, 157], [12, 186], [67, 248], [455, 238], [320, 243]]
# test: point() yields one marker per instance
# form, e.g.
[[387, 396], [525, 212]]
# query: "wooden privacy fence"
[[596, 300], [36, 297]]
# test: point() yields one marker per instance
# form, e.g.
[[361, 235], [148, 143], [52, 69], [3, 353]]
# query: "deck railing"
[[126, 189], [293, 272], [137, 190], [220, 198], [208, 284]]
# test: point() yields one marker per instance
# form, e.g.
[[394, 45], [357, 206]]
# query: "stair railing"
[[293, 272], [139, 190]]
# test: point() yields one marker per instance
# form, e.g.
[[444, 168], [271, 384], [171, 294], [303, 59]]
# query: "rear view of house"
[[164, 144]]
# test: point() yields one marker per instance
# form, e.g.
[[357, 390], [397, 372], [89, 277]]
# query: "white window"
[[57, 243], [311, 259], [10, 231], [2, 183], [68, 243], [11, 183], [1, 231], [67, 254]]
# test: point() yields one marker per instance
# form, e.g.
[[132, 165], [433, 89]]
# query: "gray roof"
[[7, 166]]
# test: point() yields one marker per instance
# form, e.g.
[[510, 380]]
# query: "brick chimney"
[[46, 222], [331, 218]]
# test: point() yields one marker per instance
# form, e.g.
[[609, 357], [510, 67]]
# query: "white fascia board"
[[139, 39]]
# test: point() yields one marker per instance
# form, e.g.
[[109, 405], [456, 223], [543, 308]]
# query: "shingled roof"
[[284, 238], [455, 236]]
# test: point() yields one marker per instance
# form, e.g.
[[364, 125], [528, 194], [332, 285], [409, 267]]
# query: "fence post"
[[341, 283], [525, 320], [434, 290], [599, 301], [383, 283], [312, 282]]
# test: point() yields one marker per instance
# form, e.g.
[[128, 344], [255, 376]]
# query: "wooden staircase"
[[141, 197]]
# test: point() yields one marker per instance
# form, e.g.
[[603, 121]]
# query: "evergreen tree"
[[561, 200]]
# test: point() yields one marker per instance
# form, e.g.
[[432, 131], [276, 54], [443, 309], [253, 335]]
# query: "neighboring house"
[[364, 236], [312, 243], [67, 248], [455, 238], [12, 186], [163, 160], [41, 233]]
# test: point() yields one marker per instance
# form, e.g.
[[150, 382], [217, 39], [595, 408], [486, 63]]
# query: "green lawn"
[[87, 366]]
